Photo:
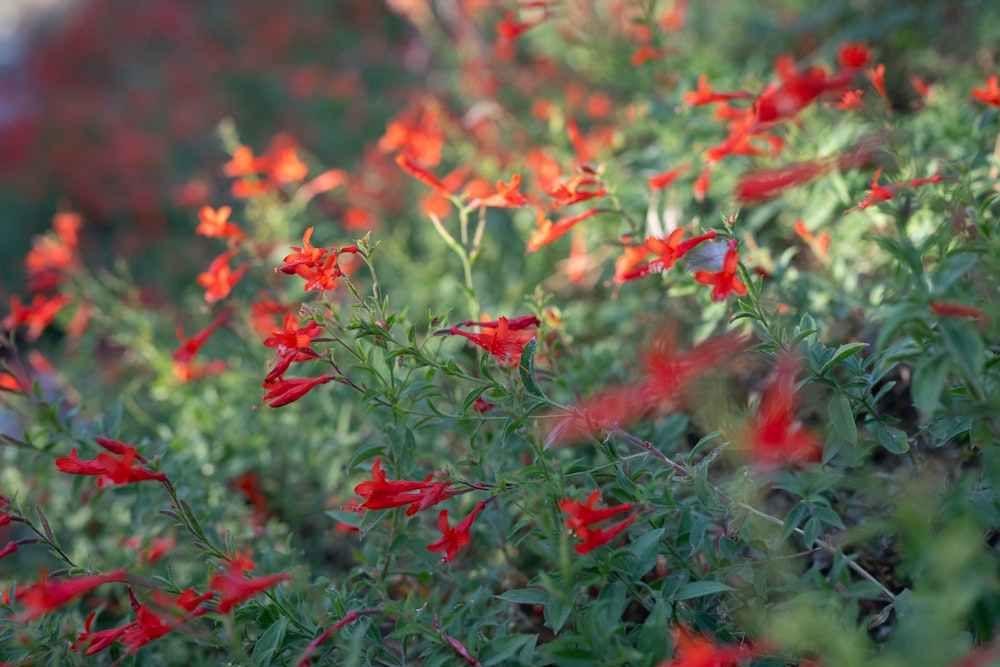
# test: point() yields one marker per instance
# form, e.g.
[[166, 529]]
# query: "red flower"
[[701, 652], [235, 588], [773, 434], [850, 99], [700, 187], [215, 223], [881, 193], [454, 539], [990, 94], [704, 94], [854, 55], [549, 231], [668, 252], [110, 470], [725, 281], [661, 181], [382, 494], [10, 548], [507, 195], [502, 343], [668, 373], [37, 315], [282, 392], [419, 173], [218, 281], [581, 518], [877, 77], [480, 405], [796, 91], [152, 622], [767, 183], [46, 596], [183, 357], [306, 255], [291, 336], [946, 309], [572, 192]]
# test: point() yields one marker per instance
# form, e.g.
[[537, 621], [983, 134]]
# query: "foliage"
[[635, 339]]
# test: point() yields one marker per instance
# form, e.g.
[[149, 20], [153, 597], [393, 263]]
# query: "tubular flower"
[[668, 373], [502, 343], [990, 94], [583, 516], [183, 357], [725, 281], [453, 539], [664, 179], [705, 95], [796, 90], [773, 434], [152, 622], [291, 336], [110, 470], [945, 309], [668, 252], [51, 258], [380, 493], [234, 588], [572, 192], [549, 231], [416, 171], [219, 280], [46, 596], [881, 193], [877, 77], [507, 195], [306, 255], [215, 223], [282, 392], [37, 315], [693, 651]]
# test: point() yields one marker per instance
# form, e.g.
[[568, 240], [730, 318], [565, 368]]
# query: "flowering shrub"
[[744, 414]]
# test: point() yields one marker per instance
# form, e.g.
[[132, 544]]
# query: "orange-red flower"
[[220, 278], [705, 95], [110, 470], [183, 358], [37, 315], [419, 173], [380, 493], [503, 343], [773, 434], [234, 588], [215, 222], [691, 651], [668, 252], [453, 539], [880, 193], [664, 179], [46, 596], [153, 621], [668, 374], [877, 77], [507, 195], [549, 231], [583, 516], [724, 281], [990, 94], [282, 392], [573, 192], [946, 309]]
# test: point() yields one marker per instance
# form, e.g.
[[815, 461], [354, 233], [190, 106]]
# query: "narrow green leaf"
[[526, 596], [268, 644], [699, 589], [842, 353], [842, 419], [527, 368]]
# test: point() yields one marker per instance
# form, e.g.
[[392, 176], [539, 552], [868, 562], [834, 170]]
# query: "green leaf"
[[526, 596], [927, 383], [527, 368], [698, 589], [965, 345], [842, 419], [893, 439], [269, 643], [497, 651], [842, 353], [556, 614]]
